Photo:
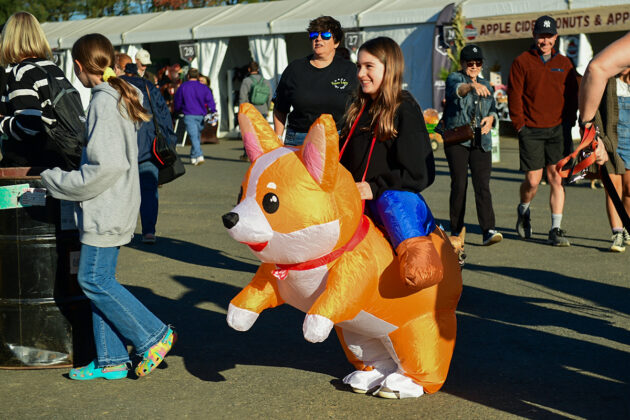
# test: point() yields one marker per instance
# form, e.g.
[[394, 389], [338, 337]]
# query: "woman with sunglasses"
[[469, 100], [318, 84]]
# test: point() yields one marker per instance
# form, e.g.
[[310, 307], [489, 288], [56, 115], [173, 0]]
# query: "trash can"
[[45, 320]]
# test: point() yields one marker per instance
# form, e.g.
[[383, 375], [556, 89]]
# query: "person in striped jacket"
[[26, 106]]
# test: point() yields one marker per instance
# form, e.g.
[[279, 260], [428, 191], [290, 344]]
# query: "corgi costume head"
[[290, 194]]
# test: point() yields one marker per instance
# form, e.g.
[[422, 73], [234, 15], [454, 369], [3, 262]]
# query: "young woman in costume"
[[386, 147]]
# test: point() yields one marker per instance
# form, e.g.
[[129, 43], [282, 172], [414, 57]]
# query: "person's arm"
[[608, 63], [515, 95], [210, 104], [279, 120], [243, 93], [26, 98], [178, 101], [281, 104], [414, 169], [465, 88]]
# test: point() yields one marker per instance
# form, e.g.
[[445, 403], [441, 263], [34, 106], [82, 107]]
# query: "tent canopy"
[[282, 17]]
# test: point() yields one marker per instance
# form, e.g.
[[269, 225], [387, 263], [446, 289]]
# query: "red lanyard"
[[343, 148]]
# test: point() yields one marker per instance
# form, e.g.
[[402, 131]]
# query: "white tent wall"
[[131, 50], [415, 42], [211, 55], [270, 52]]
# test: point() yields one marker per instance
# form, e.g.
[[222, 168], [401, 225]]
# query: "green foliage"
[[460, 41]]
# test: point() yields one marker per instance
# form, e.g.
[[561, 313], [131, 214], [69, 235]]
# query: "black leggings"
[[459, 159]]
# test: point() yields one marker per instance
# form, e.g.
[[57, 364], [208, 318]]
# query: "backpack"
[[67, 136], [259, 92]]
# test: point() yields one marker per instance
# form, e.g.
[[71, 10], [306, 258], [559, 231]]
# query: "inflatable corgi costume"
[[301, 215]]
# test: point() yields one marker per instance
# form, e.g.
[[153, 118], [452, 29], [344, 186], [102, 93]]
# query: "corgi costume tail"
[[300, 213]]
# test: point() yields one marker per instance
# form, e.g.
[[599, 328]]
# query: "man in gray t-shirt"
[[246, 88]]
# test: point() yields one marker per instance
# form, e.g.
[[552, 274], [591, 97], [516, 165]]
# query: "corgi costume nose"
[[230, 220]]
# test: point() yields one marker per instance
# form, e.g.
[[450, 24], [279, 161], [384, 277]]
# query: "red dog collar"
[[283, 269]]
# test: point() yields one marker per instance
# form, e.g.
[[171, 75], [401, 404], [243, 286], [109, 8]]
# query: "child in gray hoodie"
[[107, 191]]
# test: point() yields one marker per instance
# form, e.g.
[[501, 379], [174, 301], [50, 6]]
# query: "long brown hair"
[[389, 97], [96, 53]]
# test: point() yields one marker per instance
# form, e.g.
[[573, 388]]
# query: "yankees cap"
[[545, 25]]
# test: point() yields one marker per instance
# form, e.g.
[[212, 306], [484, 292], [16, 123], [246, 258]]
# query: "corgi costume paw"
[[362, 381], [420, 263], [240, 319], [397, 386], [316, 328]]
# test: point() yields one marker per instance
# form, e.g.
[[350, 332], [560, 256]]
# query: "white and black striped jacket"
[[27, 100]]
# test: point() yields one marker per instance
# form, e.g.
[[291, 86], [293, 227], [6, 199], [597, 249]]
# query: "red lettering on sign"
[[587, 20], [517, 27], [507, 27], [611, 19], [626, 15]]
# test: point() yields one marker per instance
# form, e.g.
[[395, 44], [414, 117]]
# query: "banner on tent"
[[569, 22]]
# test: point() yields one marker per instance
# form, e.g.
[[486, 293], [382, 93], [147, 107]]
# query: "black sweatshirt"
[[313, 91], [402, 163]]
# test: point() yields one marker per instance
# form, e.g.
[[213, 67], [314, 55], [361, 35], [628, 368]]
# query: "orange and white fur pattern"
[[300, 205]]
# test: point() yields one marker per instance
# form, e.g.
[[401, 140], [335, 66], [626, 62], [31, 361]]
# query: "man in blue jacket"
[[147, 169]]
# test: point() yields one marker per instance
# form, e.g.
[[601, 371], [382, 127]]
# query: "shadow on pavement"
[[503, 359], [209, 346], [192, 253]]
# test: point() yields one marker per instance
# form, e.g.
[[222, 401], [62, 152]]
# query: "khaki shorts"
[[539, 147]]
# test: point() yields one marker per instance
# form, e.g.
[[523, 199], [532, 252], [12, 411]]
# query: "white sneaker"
[[618, 243], [197, 161]]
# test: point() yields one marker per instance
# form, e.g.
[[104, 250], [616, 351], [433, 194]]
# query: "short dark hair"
[[253, 66], [327, 23], [193, 73]]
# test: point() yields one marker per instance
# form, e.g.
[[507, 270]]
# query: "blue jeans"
[[116, 314], [148, 196], [194, 125], [293, 138]]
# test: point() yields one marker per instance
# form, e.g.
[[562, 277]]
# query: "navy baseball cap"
[[545, 25], [471, 52]]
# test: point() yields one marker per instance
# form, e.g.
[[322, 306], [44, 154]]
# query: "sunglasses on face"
[[477, 63], [325, 35]]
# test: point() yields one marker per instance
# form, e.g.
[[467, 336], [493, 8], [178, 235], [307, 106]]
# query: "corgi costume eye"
[[270, 203]]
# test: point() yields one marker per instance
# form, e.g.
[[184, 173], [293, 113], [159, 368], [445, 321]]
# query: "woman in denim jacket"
[[468, 98]]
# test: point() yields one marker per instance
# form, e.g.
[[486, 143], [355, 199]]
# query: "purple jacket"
[[194, 98]]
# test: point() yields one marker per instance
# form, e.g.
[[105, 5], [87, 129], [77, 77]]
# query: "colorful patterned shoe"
[[90, 371], [154, 356]]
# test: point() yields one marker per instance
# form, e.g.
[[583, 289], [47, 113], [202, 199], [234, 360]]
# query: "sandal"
[[154, 356], [90, 371]]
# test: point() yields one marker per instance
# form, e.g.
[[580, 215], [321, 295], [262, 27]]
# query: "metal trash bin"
[[45, 319]]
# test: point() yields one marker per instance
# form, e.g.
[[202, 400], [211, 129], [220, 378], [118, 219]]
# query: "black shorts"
[[539, 147]]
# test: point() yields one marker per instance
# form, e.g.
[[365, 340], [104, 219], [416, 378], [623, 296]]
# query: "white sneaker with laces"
[[197, 161], [618, 242]]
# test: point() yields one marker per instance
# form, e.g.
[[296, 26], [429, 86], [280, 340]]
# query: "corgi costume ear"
[[320, 152], [258, 137]]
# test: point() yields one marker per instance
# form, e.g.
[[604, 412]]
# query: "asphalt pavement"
[[543, 332]]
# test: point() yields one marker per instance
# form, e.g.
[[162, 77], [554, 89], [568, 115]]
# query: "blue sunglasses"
[[325, 35]]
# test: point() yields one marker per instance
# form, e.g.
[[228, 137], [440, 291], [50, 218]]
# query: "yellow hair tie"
[[109, 72]]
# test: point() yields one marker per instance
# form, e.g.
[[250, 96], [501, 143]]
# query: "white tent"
[[271, 32]]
